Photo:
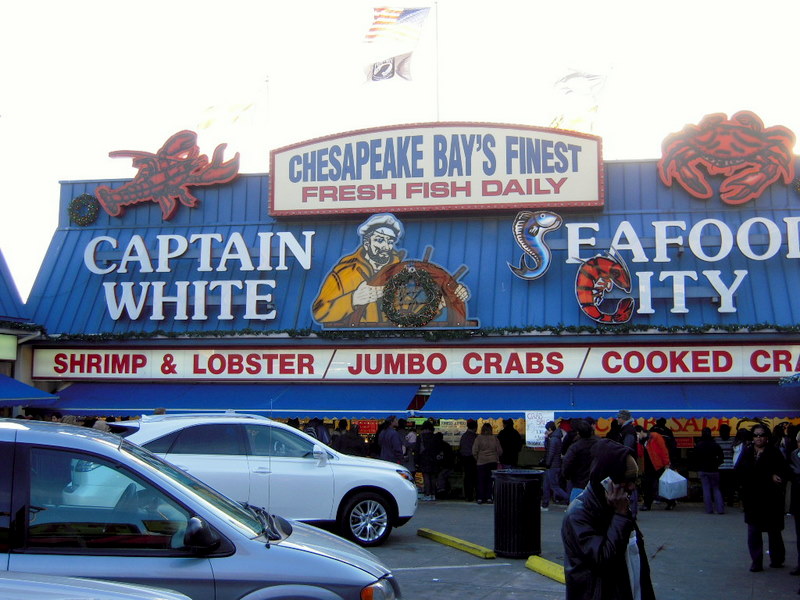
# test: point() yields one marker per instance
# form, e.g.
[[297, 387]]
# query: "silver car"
[[80, 502], [32, 586]]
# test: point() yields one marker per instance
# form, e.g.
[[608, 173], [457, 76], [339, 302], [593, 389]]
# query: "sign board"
[[535, 420], [590, 362], [437, 166]]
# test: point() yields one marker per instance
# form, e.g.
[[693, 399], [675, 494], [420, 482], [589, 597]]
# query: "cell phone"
[[608, 484]]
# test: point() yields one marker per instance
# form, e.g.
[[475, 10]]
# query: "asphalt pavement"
[[692, 555]]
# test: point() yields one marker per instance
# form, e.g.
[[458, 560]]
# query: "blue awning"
[[16, 393], [275, 400], [598, 400]]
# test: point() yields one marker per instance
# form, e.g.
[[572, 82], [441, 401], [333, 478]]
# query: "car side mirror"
[[320, 455], [199, 536]]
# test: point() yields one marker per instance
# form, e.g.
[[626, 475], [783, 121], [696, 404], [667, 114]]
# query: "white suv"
[[265, 463]]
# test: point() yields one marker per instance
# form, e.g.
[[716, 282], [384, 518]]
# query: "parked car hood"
[[308, 538], [362, 461], [32, 586]]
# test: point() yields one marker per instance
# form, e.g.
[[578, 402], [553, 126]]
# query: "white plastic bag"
[[672, 485]]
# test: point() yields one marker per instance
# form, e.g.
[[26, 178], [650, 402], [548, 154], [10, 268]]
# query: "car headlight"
[[380, 590], [405, 474]]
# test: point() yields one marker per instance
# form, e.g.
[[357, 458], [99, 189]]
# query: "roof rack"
[[191, 415]]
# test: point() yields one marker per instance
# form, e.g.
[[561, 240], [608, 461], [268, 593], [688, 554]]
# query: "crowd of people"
[[426, 452], [604, 547]]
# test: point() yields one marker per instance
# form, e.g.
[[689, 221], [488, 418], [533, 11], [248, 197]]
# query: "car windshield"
[[237, 514]]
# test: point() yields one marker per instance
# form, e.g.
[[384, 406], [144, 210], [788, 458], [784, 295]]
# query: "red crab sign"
[[165, 177], [750, 157]]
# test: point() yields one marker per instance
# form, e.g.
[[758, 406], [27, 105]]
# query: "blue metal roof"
[[66, 298], [11, 306]]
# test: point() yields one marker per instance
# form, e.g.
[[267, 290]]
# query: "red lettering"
[[657, 362], [723, 361], [467, 365], [555, 363], [269, 359], [120, 363], [287, 364], [216, 364], [514, 364], [394, 365], [235, 364], [437, 363], [606, 362], [676, 361], [533, 363], [782, 361], [139, 361], [491, 363], [638, 365], [305, 364], [700, 360], [253, 364], [755, 361], [196, 368], [416, 364]]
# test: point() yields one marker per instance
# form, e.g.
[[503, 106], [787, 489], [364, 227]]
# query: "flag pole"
[[436, 59]]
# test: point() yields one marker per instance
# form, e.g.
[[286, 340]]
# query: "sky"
[[83, 78]]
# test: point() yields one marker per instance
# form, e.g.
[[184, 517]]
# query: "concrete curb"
[[454, 542], [546, 568]]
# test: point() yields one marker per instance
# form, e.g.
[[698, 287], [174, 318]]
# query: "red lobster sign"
[[165, 177]]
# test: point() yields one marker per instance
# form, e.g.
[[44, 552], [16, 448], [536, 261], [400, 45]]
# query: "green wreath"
[[395, 288], [83, 210]]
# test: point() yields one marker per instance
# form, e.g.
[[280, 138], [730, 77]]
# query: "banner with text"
[[509, 364], [457, 166]]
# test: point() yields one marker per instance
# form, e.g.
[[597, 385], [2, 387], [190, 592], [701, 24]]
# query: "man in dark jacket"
[[390, 442], [578, 459], [552, 460], [708, 457], [467, 460], [604, 554], [511, 443]]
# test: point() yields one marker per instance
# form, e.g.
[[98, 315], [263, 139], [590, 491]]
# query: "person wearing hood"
[[604, 553]]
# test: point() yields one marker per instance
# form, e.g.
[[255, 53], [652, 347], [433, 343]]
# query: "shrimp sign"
[[442, 166]]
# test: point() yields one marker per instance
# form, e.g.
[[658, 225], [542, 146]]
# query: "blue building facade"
[[647, 297]]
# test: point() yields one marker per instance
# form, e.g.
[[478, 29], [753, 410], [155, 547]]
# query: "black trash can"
[[517, 516]]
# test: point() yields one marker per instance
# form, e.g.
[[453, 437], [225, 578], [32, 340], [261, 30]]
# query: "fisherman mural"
[[376, 287]]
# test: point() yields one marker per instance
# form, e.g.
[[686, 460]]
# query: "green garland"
[[83, 210], [431, 335], [394, 289]]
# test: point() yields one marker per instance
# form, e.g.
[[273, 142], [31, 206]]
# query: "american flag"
[[402, 25]]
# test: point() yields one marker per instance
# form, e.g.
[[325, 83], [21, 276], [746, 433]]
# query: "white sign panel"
[[422, 364], [457, 363], [535, 420], [248, 364], [691, 362], [458, 166]]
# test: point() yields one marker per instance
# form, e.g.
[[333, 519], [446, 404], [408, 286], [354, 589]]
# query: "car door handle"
[[262, 471]]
